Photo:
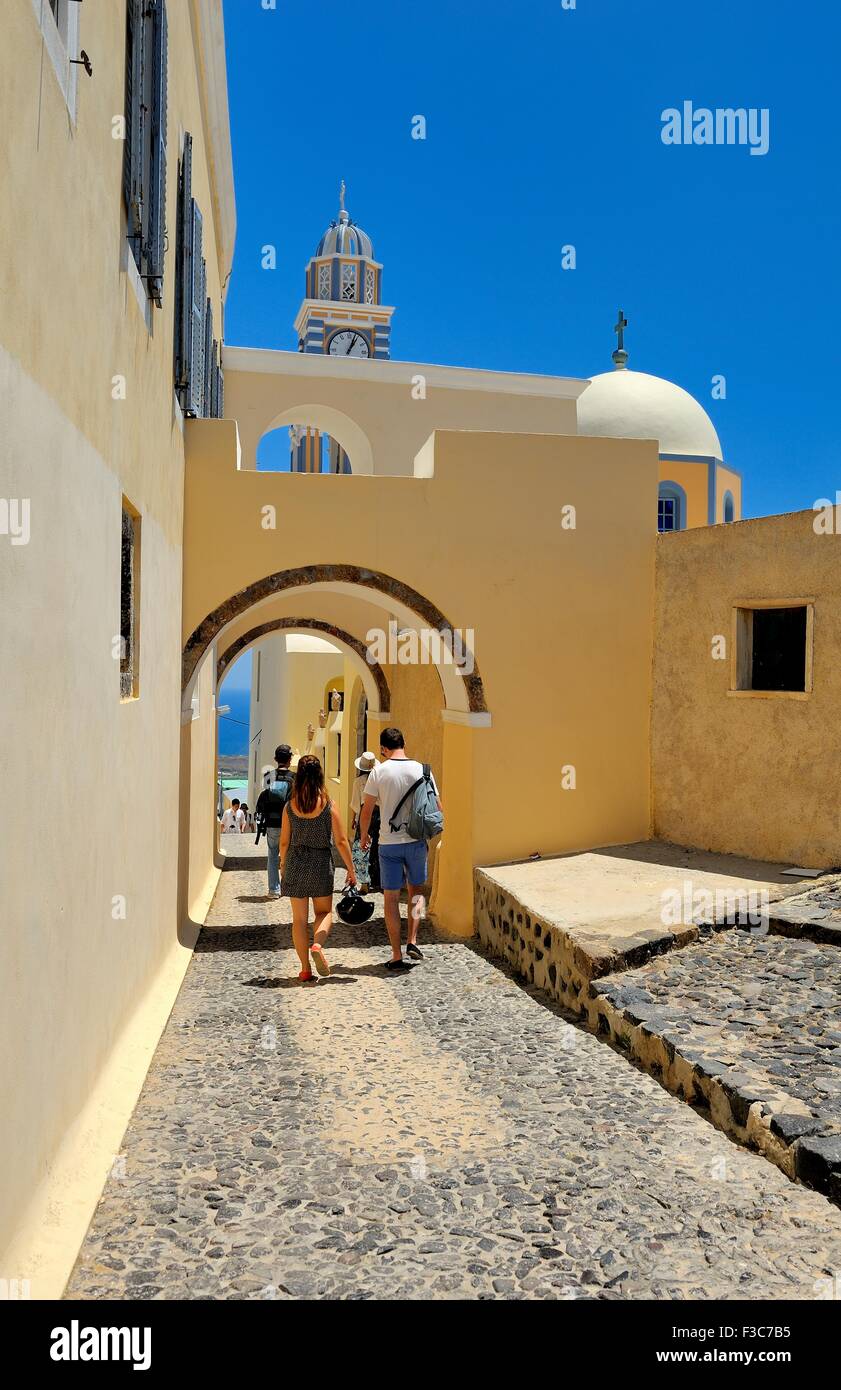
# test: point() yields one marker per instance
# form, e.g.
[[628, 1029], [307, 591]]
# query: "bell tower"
[[342, 315]]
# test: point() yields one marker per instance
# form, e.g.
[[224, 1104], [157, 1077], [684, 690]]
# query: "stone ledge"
[[574, 969]]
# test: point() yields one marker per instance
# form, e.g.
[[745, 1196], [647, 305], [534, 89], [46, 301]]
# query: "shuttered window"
[[144, 159], [199, 380]]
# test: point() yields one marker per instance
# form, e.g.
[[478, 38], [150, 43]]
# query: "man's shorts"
[[403, 861]]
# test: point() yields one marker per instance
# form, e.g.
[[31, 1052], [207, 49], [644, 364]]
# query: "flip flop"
[[414, 951], [398, 965], [305, 975], [322, 964]]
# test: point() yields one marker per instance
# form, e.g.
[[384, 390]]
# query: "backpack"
[[424, 818], [276, 797]]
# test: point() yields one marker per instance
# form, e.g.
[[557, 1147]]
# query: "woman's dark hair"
[[309, 782], [391, 739]]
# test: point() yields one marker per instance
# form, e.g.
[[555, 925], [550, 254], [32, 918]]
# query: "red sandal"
[[305, 976]]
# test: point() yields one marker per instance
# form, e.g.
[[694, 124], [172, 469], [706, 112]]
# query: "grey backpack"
[[423, 820]]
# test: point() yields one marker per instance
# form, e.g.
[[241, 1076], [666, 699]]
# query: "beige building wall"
[[693, 478], [562, 617], [382, 413], [728, 481], [92, 949], [417, 703], [745, 773]]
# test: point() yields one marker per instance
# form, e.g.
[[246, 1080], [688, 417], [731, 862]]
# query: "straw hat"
[[365, 763]]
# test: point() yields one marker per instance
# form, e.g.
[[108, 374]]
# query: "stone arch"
[[399, 596], [336, 424], [372, 675]]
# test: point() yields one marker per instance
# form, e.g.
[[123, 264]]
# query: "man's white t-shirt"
[[388, 783], [232, 820]]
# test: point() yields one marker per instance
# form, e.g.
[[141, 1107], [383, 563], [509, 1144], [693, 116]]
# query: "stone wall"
[[591, 986]]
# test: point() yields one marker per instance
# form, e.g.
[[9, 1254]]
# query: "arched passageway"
[[463, 685], [311, 429], [378, 693], [439, 708]]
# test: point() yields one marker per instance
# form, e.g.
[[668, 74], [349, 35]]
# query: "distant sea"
[[233, 738]]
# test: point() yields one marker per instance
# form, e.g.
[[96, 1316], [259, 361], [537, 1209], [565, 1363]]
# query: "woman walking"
[[311, 825]]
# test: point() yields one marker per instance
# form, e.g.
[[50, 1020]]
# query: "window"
[[729, 507], [145, 148], [671, 507], [370, 285], [130, 604], [59, 24], [773, 648], [668, 518], [349, 282], [199, 378], [324, 280]]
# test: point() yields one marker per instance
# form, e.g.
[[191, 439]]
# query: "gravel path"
[[443, 1134]]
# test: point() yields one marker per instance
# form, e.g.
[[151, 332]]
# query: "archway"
[[371, 674], [332, 424], [462, 708], [463, 686]]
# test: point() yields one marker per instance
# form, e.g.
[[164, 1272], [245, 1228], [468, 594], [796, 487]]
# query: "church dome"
[[633, 405], [344, 238]]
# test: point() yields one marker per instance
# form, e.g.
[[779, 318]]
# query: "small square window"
[[773, 649]]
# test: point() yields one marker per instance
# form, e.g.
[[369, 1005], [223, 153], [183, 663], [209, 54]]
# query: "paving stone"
[[388, 1166]]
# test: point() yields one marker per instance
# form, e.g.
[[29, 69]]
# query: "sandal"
[[414, 951], [305, 975], [398, 964], [322, 964]]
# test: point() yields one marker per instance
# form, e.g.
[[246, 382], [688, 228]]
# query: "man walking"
[[402, 857], [269, 812], [233, 820]]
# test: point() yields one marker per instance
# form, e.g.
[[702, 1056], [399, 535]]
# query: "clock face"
[[348, 343]]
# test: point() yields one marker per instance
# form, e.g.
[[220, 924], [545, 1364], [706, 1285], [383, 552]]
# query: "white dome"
[[633, 405]]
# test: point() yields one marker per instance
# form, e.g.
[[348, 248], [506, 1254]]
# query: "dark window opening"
[[668, 514], [129, 595], [778, 657]]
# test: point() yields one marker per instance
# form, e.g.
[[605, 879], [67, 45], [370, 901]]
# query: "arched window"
[[671, 507], [729, 507]]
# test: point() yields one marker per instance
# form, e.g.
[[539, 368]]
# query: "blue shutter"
[[199, 303], [193, 397], [184, 273], [133, 149], [213, 412], [156, 232], [209, 349]]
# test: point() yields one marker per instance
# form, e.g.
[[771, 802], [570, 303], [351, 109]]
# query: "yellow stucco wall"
[[562, 617], [392, 421], [728, 481], [198, 870], [416, 705], [693, 478], [79, 982], [746, 774]]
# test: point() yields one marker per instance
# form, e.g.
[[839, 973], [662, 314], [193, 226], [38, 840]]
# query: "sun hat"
[[365, 763], [353, 908]]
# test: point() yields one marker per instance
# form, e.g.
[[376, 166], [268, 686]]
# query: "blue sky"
[[544, 130]]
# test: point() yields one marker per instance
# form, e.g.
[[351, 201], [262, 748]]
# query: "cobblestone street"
[[441, 1134]]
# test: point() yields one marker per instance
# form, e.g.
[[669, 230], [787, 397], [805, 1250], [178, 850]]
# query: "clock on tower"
[[341, 316]]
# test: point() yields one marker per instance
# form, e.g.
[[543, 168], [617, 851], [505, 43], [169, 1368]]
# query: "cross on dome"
[[620, 356]]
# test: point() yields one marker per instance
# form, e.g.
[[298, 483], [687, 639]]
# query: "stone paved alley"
[[444, 1134]]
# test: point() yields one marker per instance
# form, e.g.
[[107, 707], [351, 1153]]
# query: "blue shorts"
[[403, 861]]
